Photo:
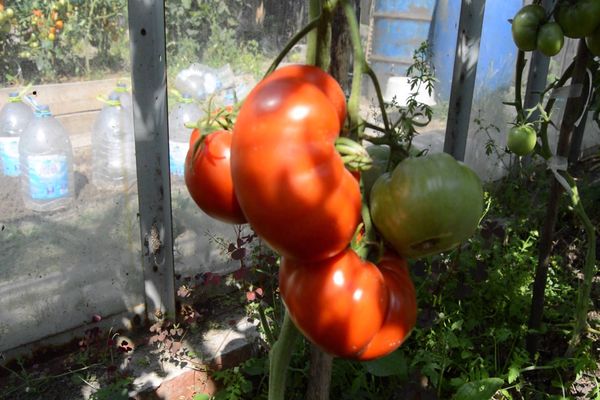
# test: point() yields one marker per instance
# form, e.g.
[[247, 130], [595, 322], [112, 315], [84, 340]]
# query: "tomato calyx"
[[354, 155]]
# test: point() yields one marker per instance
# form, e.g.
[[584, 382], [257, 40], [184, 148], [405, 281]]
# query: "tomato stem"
[[356, 127], [308, 29], [583, 295], [518, 83], [545, 150], [280, 357], [314, 13]]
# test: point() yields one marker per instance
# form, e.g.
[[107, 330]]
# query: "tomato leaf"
[[391, 365], [478, 390]]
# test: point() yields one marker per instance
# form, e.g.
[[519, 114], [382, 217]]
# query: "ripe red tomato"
[[290, 181], [347, 306], [319, 78], [208, 178], [194, 137], [401, 315]]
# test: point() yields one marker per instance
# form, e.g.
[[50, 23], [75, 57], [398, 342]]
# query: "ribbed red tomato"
[[289, 180], [208, 177], [350, 307]]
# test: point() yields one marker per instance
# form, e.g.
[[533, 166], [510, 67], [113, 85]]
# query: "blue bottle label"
[[9, 155], [48, 176], [177, 154]]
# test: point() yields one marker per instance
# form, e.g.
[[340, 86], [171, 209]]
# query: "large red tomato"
[[320, 79], [208, 177], [290, 181], [350, 307]]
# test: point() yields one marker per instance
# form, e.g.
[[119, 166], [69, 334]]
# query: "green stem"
[[356, 127], [545, 150], [323, 56], [377, 86], [308, 29], [370, 239], [314, 12], [583, 296], [518, 83], [280, 357], [265, 323]]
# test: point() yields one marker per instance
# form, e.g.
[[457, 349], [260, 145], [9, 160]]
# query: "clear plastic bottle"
[[14, 118], [122, 92], [186, 111], [113, 146], [46, 158]]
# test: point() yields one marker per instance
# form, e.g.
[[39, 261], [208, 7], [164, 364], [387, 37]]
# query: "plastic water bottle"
[[46, 159], [113, 146], [14, 118], [186, 111], [123, 94]]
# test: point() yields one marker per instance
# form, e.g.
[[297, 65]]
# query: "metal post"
[[463, 78], [149, 82]]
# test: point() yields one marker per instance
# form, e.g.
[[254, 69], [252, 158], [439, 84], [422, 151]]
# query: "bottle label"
[[177, 154], [9, 155], [48, 176]]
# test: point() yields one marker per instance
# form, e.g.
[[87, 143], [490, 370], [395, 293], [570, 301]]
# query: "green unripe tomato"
[[521, 139], [9, 12], [525, 26], [593, 42], [380, 156], [550, 39], [579, 19], [427, 205]]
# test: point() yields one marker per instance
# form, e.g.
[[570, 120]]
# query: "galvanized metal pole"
[[149, 78], [463, 78]]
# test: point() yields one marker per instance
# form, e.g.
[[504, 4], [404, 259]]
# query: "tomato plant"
[[521, 139], [525, 26], [578, 19], [350, 307], [427, 205], [208, 177], [290, 181], [550, 39]]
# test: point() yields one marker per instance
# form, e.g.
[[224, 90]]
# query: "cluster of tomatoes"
[[532, 28], [53, 24], [279, 171]]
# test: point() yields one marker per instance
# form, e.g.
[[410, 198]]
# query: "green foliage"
[[47, 41], [482, 389], [474, 304], [235, 382], [117, 390]]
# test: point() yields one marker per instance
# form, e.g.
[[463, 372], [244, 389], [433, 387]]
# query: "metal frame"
[[149, 85], [463, 78]]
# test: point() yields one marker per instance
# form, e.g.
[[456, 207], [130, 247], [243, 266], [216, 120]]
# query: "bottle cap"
[[13, 97], [43, 110], [186, 98], [121, 87], [114, 100]]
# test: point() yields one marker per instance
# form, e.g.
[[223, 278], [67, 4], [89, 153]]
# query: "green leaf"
[[513, 374], [201, 396], [393, 364], [482, 389]]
